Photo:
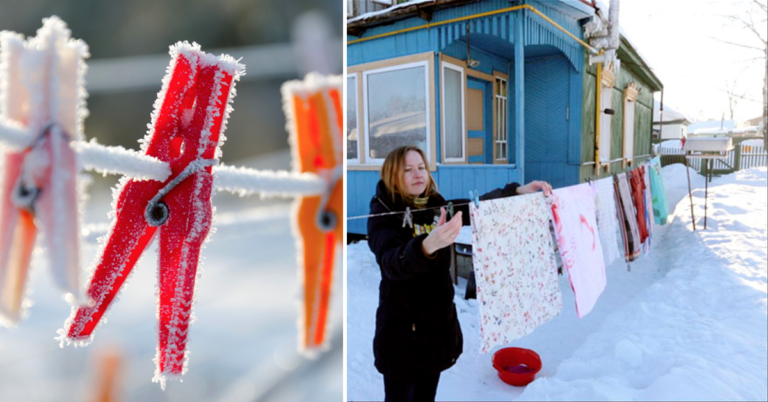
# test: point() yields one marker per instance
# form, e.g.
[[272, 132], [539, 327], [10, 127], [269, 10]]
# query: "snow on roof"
[[575, 8], [711, 126], [669, 114], [387, 10], [637, 50]]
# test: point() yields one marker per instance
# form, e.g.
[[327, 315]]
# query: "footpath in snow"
[[688, 322]]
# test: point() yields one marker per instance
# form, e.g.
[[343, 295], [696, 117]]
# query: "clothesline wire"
[[349, 218]]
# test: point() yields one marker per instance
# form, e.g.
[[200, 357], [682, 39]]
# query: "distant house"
[[675, 125], [712, 128], [493, 93]]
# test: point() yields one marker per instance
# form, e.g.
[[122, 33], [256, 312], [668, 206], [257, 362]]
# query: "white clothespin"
[[408, 217], [43, 107]]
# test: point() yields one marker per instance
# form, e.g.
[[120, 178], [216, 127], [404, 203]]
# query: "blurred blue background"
[[243, 344]]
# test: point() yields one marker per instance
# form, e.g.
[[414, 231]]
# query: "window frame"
[[368, 160], [355, 161], [501, 118], [464, 158], [629, 96]]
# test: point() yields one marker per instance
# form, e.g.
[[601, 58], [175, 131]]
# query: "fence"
[[742, 156]]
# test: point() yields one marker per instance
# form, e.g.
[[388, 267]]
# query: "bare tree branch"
[[761, 5], [738, 44], [749, 26]]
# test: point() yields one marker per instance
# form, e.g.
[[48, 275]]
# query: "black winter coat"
[[417, 329]]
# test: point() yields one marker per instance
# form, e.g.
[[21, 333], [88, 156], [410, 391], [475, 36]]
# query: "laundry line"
[[132, 164]]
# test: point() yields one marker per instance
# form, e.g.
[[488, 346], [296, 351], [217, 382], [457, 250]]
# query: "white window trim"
[[425, 65], [501, 119], [463, 84], [628, 130], [355, 161]]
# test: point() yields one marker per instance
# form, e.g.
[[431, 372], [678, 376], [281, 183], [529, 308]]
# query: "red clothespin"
[[42, 107], [314, 113], [187, 124]]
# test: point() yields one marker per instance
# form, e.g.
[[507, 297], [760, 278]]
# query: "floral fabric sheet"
[[514, 266]]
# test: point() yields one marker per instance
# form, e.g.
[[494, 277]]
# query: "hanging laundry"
[[637, 185], [42, 99], [515, 269], [658, 192], [648, 206], [186, 132], [607, 219], [573, 212], [314, 113], [627, 218]]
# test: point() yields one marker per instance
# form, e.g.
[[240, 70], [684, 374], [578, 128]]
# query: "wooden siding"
[[536, 32], [643, 121]]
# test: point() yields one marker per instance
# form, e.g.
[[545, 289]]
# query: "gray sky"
[[678, 39]]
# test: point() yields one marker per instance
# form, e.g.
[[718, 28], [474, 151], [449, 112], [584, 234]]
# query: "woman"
[[417, 330]]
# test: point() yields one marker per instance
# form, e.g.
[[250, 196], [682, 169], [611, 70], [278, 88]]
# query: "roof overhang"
[[632, 61], [578, 9]]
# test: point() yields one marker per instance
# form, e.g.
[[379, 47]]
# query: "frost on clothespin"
[[42, 108], [186, 132], [408, 218], [314, 113]]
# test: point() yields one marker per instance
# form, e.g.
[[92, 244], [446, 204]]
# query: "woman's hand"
[[443, 234], [535, 186]]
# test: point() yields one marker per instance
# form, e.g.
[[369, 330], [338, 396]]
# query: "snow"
[[387, 10], [711, 125], [672, 144], [244, 181], [687, 322], [118, 160], [670, 114], [243, 342]]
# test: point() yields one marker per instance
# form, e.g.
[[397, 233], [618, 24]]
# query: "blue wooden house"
[[493, 91]]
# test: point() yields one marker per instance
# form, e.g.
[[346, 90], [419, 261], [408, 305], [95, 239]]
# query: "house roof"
[[711, 127], [670, 115], [424, 8], [632, 60]]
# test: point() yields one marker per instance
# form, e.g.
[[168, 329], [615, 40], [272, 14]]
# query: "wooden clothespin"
[[314, 113]]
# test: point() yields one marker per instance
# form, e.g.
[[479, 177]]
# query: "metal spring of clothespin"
[[408, 217]]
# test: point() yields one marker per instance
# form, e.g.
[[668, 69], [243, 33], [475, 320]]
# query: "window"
[[454, 137], [396, 102], [630, 98], [352, 129], [606, 94], [500, 130]]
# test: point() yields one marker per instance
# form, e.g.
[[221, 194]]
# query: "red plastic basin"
[[516, 366]]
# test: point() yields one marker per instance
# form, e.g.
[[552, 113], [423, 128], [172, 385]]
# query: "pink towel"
[[573, 211]]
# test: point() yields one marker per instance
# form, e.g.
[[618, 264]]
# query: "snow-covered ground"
[[243, 343], [689, 321]]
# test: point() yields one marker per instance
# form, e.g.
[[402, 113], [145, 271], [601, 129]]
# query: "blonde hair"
[[393, 169]]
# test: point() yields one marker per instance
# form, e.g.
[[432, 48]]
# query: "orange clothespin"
[[314, 114]]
